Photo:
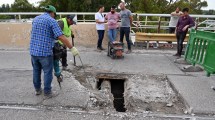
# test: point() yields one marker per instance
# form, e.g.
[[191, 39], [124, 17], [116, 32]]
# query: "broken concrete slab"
[[191, 68], [151, 93], [196, 91], [73, 94]]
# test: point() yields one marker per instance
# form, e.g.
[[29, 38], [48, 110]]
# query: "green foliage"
[[138, 6], [21, 6], [5, 8], [209, 12], [165, 6], [79, 5]]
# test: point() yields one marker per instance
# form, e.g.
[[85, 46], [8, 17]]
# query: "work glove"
[[74, 51]]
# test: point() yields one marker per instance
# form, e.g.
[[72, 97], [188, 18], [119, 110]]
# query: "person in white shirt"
[[174, 20], [100, 26]]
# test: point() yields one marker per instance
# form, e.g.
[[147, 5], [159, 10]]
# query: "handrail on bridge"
[[144, 23]]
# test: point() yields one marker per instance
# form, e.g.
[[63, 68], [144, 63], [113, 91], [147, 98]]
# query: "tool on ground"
[[73, 45], [83, 69], [115, 50]]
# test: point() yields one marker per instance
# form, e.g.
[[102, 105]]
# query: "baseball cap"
[[73, 18], [50, 8]]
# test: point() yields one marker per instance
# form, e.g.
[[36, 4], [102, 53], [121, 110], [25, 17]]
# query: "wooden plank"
[[141, 37]]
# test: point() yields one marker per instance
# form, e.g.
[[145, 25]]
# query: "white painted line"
[[18, 108]]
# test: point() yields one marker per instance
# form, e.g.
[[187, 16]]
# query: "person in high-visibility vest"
[[60, 50], [65, 24]]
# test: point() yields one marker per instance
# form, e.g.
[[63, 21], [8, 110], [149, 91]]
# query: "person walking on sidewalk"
[[65, 24], [125, 27], [184, 22], [45, 30], [100, 26], [113, 18]]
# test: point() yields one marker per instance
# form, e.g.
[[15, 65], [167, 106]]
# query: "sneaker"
[[102, 48], [213, 88], [176, 54], [60, 78], [128, 52], [178, 57], [51, 94], [98, 48], [38, 92], [64, 68]]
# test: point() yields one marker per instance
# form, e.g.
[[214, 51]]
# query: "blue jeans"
[[45, 64], [101, 36], [112, 34], [180, 39], [125, 31]]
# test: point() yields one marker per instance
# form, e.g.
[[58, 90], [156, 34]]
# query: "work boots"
[[38, 92]]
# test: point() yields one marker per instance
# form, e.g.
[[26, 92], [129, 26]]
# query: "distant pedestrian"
[[184, 22], [125, 27], [45, 30], [174, 19], [100, 26], [113, 18]]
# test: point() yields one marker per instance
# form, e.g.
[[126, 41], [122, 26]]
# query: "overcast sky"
[[211, 3]]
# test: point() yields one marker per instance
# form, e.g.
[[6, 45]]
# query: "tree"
[[165, 6], [139, 6], [79, 5], [21, 6], [5, 8]]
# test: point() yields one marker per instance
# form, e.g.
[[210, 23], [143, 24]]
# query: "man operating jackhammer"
[[65, 24], [45, 30], [60, 50]]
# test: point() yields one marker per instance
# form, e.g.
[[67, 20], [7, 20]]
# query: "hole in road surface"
[[117, 89]]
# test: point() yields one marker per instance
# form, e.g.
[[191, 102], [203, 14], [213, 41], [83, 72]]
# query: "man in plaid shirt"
[[45, 30]]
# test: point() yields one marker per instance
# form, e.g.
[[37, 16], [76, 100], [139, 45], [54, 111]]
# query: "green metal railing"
[[201, 50]]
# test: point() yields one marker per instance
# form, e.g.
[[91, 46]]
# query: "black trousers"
[[125, 31], [64, 57], [180, 39]]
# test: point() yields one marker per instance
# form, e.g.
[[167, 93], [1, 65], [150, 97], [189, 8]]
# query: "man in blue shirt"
[[45, 30]]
